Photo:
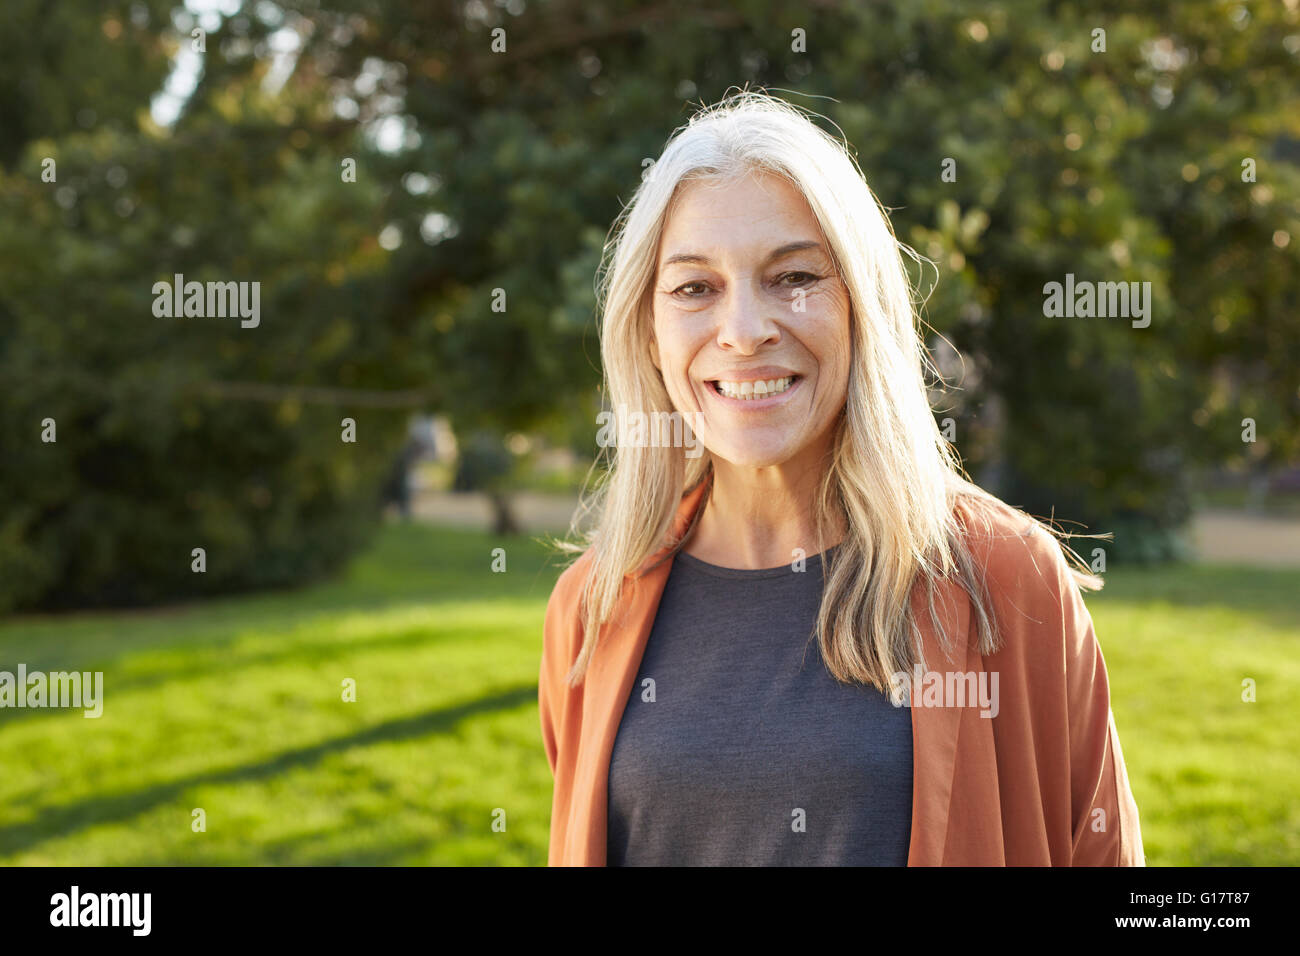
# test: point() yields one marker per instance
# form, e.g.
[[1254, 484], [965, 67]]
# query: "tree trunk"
[[503, 518]]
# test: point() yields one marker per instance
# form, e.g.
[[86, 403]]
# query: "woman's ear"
[[654, 354]]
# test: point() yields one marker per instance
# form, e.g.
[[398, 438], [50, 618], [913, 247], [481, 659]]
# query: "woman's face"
[[751, 321]]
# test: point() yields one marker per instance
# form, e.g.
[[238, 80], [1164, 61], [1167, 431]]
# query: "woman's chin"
[[752, 456]]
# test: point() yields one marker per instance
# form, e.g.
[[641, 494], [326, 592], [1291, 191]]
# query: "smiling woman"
[[757, 309], [755, 286]]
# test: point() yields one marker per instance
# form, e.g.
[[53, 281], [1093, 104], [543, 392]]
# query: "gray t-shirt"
[[745, 751]]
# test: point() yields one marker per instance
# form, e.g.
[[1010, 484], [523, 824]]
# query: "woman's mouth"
[[759, 392]]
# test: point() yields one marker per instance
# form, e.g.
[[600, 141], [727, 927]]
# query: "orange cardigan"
[[1041, 783]]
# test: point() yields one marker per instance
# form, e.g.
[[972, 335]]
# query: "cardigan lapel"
[[616, 660], [935, 729], [614, 663]]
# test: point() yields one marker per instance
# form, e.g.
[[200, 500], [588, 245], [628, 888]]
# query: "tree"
[[423, 192]]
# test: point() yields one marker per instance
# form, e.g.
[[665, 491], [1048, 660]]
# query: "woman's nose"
[[745, 321]]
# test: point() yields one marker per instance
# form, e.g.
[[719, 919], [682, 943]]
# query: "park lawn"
[[1215, 777], [234, 706]]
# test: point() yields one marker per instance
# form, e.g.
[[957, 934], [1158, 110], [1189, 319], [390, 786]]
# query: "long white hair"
[[892, 478]]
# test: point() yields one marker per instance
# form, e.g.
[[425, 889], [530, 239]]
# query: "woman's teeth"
[[746, 391]]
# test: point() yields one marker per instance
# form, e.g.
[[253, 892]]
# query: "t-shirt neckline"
[[813, 563]]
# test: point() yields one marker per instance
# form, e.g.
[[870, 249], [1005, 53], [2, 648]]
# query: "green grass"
[[1215, 778], [234, 706]]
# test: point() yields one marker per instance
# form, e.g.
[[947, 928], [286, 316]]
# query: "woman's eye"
[[796, 278], [787, 280], [682, 290]]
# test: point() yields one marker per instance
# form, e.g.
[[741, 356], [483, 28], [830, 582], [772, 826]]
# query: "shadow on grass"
[[53, 822], [298, 851], [415, 567], [315, 652]]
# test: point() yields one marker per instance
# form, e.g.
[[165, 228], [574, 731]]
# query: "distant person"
[[397, 487], [817, 642]]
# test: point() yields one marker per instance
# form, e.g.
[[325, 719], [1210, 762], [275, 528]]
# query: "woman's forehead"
[[721, 190], [759, 217]]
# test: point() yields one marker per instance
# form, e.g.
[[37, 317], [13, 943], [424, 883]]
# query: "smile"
[[750, 391]]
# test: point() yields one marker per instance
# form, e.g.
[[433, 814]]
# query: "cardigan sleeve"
[[561, 638], [1104, 815], [546, 680]]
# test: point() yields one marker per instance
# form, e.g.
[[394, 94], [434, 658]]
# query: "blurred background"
[[348, 673]]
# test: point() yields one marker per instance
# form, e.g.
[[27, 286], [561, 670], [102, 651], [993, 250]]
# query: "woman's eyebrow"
[[777, 253]]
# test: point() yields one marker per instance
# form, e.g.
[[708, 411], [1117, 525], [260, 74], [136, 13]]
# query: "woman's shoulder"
[[1019, 560], [566, 596], [1004, 536], [562, 631]]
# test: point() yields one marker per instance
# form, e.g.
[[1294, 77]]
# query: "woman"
[[959, 712]]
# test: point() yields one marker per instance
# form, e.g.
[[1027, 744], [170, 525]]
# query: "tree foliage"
[[489, 177]]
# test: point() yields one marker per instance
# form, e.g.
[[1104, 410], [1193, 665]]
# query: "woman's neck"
[[760, 517]]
